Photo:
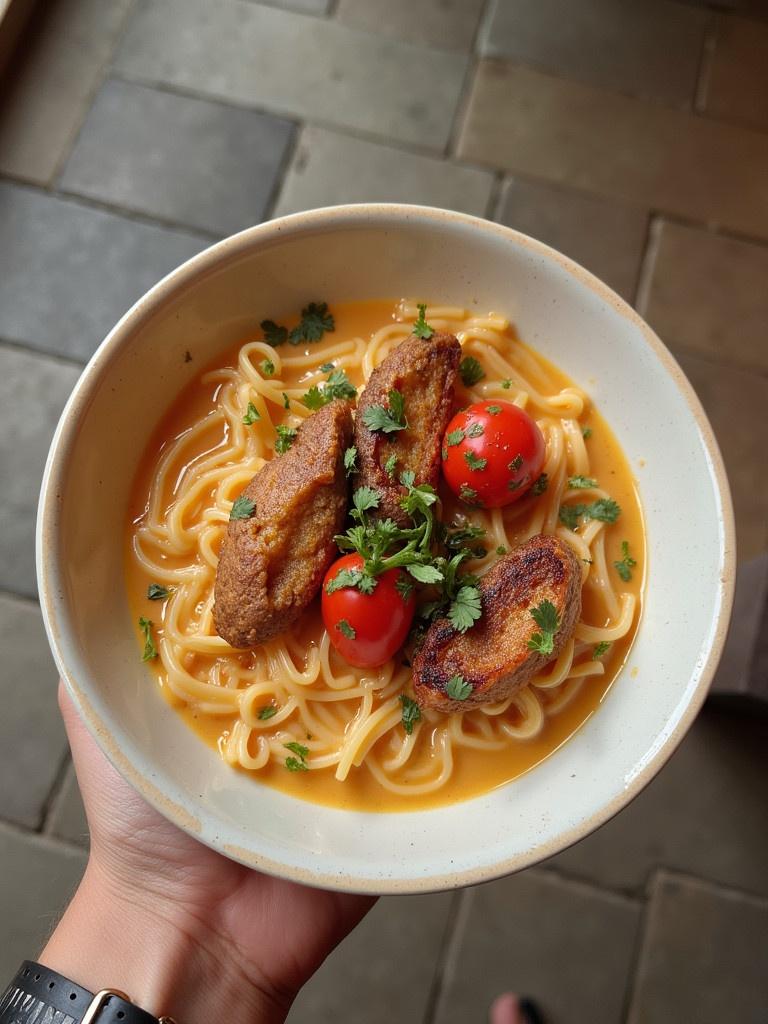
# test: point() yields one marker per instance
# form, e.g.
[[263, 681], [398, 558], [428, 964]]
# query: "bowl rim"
[[52, 593]]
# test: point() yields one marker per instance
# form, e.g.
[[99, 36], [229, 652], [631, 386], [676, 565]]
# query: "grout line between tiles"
[[448, 954], [627, 895], [493, 209], [647, 264], [661, 871], [706, 61], [54, 794], [470, 75], [282, 173], [633, 974], [28, 349], [49, 842]]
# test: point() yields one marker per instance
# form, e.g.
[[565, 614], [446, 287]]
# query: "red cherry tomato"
[[492, 454], [367, 629]]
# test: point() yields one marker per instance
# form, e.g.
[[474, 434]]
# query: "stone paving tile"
[[68, 272], [296, 65], [650, 49], [38, 877], [737, 83], [588, 138], [444, 24], [704, 813], [32, 739], [747, 635], [382, 972], [329, 168], [735, 401], [207, 165], [703, 956], [33, 391], [66, 819], [606, 237], [45, 100], [708, 294], [544, 938], [303, 6]]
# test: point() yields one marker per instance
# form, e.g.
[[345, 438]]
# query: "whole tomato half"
[[367, 629], [492, 454]]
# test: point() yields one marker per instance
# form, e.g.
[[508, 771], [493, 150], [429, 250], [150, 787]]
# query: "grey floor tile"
[[703, 957], [739, 669], [32, 739], [588, 138], [737, 83], [66, 819], [605, 236], [303, 6], [206, 165], [444, 24], [46, 98], [542, 937], [651, 49], [704, 813], [708, 293], [296, 65], [68, 272], [384, 970], [38, 877], [735, 402], [330, 168], [33, 391]]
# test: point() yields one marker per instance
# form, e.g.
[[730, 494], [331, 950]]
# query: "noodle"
[[350, 719]]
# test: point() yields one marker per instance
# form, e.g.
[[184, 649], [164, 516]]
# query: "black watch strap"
[[39, 994]]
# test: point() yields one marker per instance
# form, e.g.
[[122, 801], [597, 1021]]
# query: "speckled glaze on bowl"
[[373, 251]]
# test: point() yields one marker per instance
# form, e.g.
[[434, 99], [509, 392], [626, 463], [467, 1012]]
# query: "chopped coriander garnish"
[[425, 573], [274, 335], [157, 592], [364, 499], [506, 384], [546, 618], [150, 651], [468, 494], [475, 430], [570, 514], [404, 586], [540, 485], [474, 463], [388, 420], [494, 410], [298, 749], [465, 609], [390, 466], [455, 437], [516, 463], [458, 688], [315, 321], [411, 713], [338, 385], [421, 328], [267, 367], [242, 508], [350, 460], [286, 401], [346, 630], [606, 510], [285, 438], [586, 433], [501, 550], [589, 561], [471, 371], [351, 578], [581, 483], [626, 565], [327, 367], [268, 711], [251, 415], [293, 764], [600, 649]]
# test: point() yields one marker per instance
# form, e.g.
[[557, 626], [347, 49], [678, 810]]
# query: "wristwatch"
[[37, 994]]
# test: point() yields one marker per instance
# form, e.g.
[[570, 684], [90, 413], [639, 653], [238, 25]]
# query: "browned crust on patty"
[[493, 656], [424, 371], [272, 565]]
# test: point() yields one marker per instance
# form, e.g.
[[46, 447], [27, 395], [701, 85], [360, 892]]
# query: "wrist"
[[168, 960]]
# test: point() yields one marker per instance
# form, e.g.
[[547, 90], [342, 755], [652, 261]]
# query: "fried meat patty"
[[493, 656], [272, 564]]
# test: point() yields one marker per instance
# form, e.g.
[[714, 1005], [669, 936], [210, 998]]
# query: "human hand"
[[180, 928]]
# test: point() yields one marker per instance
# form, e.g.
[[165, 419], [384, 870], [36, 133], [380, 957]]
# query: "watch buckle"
[[98, 1003]]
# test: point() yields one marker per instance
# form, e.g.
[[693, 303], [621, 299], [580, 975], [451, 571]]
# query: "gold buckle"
[[99, 1001]]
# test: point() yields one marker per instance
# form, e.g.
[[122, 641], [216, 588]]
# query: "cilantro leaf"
[[338, 385], [455, 437], [540, 485], [293, 764], [506, 384], [468, 494], [286, 401], [268, 711], [274, 335], [346, 630], [600, 649], [365, 498], [315, 321], [458, 688], [390, 465], [546, 618], [471, 371], [475, 430], [455, 540], [604, 509], [150, 651], [267, 367], [581, 482], [475, 464], [421, 328], [314, 398], [298, 749], [343, 578], [350, 460], [157, 592], [388, 420], [411, 713], [425, 573], [501, 550], [251, 415], [494, 410], [404, 587], [516, 463], [327, 367], [586, 433], [627, 564], [242, 508], [285, 438], [465, 609]]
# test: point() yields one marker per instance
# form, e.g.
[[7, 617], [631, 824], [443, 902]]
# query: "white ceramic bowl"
[[376, 251]]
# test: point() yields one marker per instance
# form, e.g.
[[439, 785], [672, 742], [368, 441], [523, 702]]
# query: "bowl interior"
[[377, 252]]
